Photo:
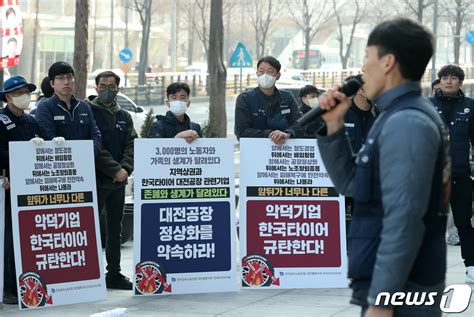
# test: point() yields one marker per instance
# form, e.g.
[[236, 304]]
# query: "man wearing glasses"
[[63, 117], [113, 164]]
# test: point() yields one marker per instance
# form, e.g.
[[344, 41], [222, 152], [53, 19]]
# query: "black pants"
[[461, 204], [9, 274], [113, 201]]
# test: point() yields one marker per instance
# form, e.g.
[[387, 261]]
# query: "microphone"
[[349, 89]]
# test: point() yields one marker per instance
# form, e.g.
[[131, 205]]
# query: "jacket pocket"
[[363, 242], [364, 172]]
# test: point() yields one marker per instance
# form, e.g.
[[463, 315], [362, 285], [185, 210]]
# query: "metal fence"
[[154, 93]]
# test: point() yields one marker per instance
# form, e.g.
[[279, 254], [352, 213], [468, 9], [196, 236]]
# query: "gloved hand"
[[37, 141], [59, 140]]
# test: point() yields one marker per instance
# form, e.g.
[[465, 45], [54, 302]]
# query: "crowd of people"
[[399, 158]]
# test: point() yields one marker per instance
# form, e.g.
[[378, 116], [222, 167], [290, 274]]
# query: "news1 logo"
[[455, 298]]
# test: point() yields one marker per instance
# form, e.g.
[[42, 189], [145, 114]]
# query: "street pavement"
[[245, 302]]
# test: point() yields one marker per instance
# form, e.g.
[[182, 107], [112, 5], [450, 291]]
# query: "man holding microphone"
[[396, 239]]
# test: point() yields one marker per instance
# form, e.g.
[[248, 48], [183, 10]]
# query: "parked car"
[[138, 113]]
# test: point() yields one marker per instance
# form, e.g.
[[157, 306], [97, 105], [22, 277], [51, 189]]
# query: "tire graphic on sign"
[[33, 292], [257, 271], [150, 278]]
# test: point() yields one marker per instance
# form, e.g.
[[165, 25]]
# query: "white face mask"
[[313, 102], [22, 102], [178, 107], [266, 81]]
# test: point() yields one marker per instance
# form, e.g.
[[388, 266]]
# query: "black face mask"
[[107, 95]]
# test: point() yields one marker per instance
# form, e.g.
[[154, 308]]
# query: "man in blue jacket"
[[265, 111], [456, 111], [359, 118], [400, 179], [15, 125], [63, 117], [176, 123]]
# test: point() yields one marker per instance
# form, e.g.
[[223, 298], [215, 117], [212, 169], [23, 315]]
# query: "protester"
[[435, 86], [63, 117], [46, 92], [114, 164], [359, 118], [46, 88], [309, 99], [15, 125], [176, 123], [456, 111], [265, 111], [400, 179]]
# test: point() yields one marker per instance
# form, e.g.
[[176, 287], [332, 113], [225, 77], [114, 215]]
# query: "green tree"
[[147, 124]]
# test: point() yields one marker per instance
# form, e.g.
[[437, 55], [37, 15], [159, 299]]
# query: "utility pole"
[[126, 37], [435, 37], [111, 34], [35, 41], [94, 37], [173, 36], [126, 23], [242, 23]]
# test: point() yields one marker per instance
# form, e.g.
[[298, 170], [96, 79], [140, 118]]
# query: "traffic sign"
[[125, 68], [240, 57], [125, 55], [470, 37]]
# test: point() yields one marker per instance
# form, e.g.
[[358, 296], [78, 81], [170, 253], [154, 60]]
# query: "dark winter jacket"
[[118, 134], [56, 120], [14, 128], [257, 115], [358, 123], [457, 114], [168, 126]]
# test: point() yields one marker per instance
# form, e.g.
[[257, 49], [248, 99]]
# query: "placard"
[[58, 254], [2, 235], [184, 217], [11, 33], [292, 220]]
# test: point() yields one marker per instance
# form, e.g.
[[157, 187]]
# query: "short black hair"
[[46, 87], [177, 86], [308, 89], [410, 42], [10, 11], [60, 68], [12, 39], [270, 60], [107, 73], [451, 70], [435, 82]]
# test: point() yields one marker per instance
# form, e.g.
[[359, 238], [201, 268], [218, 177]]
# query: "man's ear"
[[390, 62], [189, 103], [278, 76]]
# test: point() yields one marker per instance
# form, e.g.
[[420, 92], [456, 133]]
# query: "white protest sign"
[[58, 254], [184, 219], [292, 220]]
